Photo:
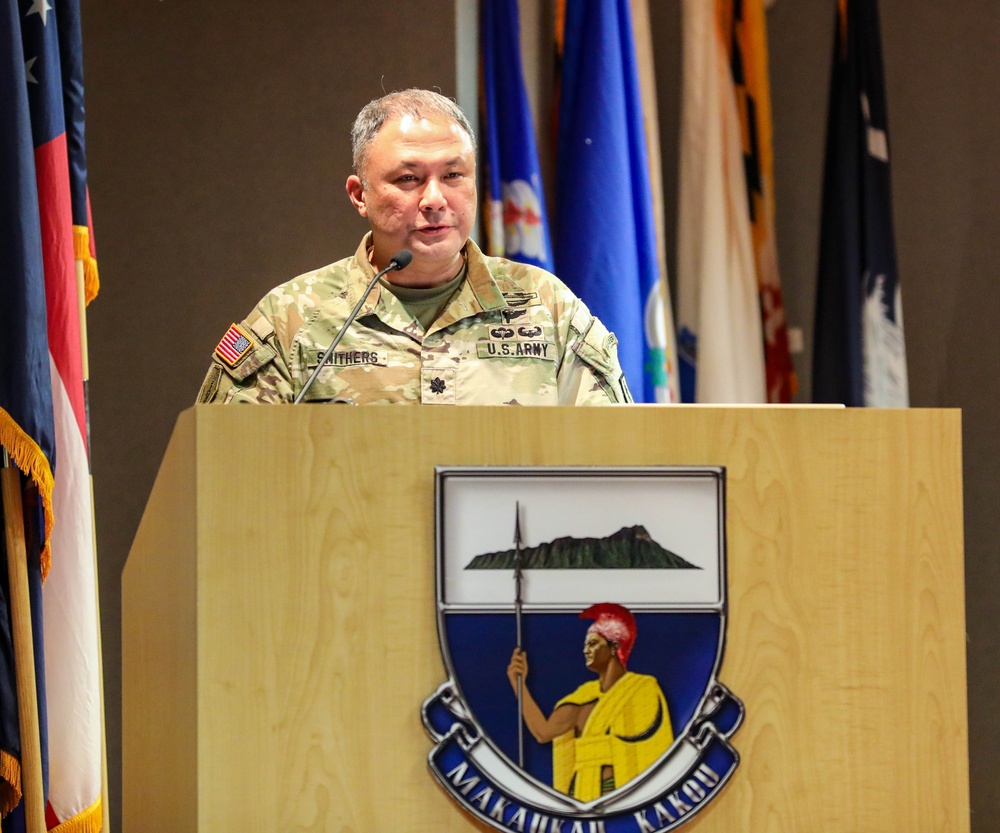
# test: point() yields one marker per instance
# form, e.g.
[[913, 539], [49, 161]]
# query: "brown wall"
[[218, 146]]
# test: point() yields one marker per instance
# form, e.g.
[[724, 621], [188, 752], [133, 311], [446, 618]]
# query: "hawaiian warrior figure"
[[609, 730]]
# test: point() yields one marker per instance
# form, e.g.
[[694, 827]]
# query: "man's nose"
[[433, 197]]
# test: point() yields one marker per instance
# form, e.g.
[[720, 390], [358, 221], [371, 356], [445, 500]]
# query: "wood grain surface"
[[279, 630]]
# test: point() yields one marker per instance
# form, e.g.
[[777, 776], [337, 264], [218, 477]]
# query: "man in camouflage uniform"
[[456, 327]]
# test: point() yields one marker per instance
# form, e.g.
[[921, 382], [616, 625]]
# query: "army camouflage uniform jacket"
[[511, 334]]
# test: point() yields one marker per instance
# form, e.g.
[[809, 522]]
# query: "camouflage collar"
[[360, 274], [479, 293], [487, 293]]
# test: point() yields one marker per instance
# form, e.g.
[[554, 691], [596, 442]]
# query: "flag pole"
[[24, 654], [82, 301], [518, 603]]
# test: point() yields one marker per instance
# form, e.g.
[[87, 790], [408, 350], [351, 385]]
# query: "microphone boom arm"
[[400, 260]]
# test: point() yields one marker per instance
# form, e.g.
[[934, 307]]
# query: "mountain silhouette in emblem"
[[630, 548]]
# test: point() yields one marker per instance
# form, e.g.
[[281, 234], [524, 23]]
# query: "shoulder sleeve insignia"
[[234, 346], [595, 344]]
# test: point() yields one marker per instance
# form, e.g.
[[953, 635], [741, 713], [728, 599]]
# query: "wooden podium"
[[279, 627]]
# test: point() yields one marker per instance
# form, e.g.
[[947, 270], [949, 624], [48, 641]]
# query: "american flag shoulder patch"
[[235, 344]]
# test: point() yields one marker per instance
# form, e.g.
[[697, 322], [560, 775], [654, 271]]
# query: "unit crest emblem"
[[582, 616]]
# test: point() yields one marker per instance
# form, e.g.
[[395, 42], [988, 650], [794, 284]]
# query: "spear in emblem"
[[517, 618]]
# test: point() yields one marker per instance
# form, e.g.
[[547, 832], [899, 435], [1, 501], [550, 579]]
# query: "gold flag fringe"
[[28, 457], [89, 821], [10, 785]]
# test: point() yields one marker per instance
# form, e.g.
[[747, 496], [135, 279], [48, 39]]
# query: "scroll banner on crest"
[[496, 794]]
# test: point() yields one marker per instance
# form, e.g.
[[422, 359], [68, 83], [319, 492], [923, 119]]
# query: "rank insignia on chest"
[[234, 346]]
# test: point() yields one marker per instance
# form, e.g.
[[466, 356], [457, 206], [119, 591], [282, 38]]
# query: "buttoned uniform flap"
[[596, 345]]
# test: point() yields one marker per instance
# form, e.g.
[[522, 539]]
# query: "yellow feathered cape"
[[628, 730]]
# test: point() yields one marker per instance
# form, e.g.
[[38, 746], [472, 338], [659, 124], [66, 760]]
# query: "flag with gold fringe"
[[43, 415], [27, 432]]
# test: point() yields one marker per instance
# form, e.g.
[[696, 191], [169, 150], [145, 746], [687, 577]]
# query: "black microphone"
[[400, 260]]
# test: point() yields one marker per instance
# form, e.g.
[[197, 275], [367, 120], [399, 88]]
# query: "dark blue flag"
[[27, 430], [42, 401], [515, 202], [859, 355], [51, 62], [25, 382], [71, 61], [605, 240]]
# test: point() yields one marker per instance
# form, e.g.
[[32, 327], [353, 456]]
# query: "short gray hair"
[[413, 102]]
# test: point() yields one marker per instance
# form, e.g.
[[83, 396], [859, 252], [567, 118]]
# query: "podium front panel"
[[279, 629]]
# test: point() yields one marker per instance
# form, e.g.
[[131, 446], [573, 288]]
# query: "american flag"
[[234, 346]]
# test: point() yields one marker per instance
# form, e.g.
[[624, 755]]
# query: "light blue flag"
[[605, 241], [515, 210]]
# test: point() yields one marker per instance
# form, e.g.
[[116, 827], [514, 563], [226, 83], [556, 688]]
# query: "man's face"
[[421, 191], [597, 652]]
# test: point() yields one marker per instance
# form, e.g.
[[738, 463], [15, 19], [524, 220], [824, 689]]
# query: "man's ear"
[[356, 191]]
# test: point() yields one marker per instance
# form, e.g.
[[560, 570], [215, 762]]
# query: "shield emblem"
[[582, 616]]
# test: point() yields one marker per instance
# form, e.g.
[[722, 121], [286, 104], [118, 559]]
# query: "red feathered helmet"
[[616, 624]]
